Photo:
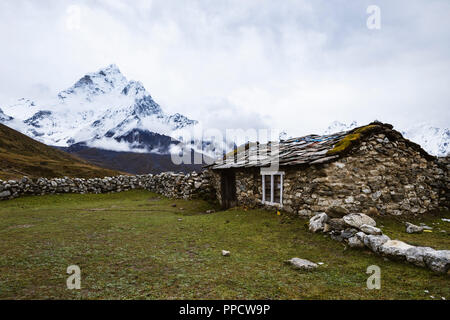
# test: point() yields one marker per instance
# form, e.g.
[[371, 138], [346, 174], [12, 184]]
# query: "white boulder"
[[317, 223], [395, 249], [370, 230], [375, 242], [416, 255], [355, 242], [356, 220], [412, 228], [302, 264], [438, 261]]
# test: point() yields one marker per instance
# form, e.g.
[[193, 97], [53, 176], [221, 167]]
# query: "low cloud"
[[295, 65]]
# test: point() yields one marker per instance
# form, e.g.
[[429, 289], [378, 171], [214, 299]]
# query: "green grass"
[[131, 245], [438, 238]]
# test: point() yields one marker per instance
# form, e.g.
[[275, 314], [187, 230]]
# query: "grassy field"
[[138, 245]]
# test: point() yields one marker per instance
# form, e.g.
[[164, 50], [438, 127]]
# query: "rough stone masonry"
[[379, 170], [383, 172], [172, 185]]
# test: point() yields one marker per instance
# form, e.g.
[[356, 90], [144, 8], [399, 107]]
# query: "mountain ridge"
[[100, 105], [21, 156]]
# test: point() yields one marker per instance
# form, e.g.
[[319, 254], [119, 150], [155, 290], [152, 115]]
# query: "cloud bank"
[[294, 65]]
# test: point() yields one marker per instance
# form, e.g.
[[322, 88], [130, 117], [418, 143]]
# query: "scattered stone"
[[336, 212], [302, 264], [361, 236], [358, 219], [348, 233], [375, 242], [210, 211], [416, 255], [317, 222], [337, 236], [225, 253], [445, 220], [370, 230], [412, 228], [5, 194], [355, 242], [438, 260], [326, 228], [395, 249], [336, 224]]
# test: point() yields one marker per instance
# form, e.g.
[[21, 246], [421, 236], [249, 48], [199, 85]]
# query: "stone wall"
[[174, 185], [383, 175]]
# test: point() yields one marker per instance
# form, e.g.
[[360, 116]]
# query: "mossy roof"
[[308, 150]]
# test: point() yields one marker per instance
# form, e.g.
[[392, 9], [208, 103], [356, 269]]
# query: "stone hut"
[[367, 168]]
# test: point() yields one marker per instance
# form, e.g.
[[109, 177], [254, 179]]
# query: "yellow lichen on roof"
[[352, 138], [344, 143]]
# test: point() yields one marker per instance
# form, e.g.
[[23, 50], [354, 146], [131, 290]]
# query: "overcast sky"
[[295, 65]]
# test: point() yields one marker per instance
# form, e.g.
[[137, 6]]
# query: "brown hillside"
[[23, 156]]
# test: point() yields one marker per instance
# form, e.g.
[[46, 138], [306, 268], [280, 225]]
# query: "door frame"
[[228, 188]]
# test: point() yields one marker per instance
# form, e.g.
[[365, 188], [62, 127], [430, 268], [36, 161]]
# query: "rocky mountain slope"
[[102, 109], [22, 156]]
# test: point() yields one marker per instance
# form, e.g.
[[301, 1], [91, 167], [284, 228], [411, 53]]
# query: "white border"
[[272, 174]]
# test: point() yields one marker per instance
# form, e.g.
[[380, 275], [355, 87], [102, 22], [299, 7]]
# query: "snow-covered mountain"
[[106, 111], [337, 126], [435, 141], [4, 117], [102, 109]]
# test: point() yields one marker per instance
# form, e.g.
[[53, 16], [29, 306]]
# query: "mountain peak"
[[111, 69], [134, 87], [93, 84], [101, 105]]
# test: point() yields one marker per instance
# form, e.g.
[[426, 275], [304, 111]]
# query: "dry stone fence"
[[173, 185]]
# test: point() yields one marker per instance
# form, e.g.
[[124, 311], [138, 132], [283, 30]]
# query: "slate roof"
[[307, 150]]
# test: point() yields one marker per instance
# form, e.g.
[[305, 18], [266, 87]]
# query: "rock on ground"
[[302, 264], [438, 261], [317, 223], [225, 253], [355, 242], [370, 230], [336, 212], [336, 224], [416, 255], [412, 228], [358, 219], [395, 249], [5, 194], [375, 242]]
